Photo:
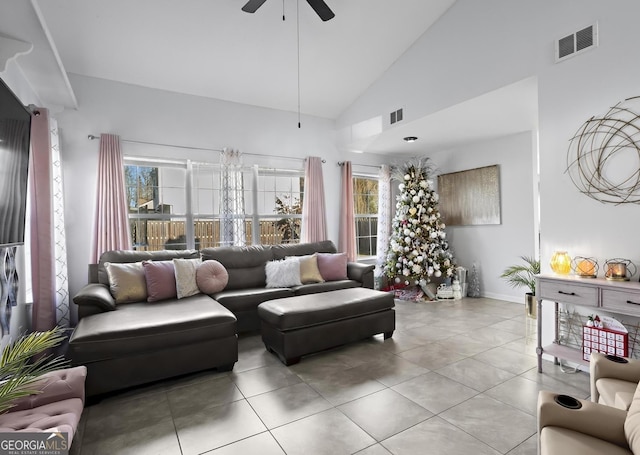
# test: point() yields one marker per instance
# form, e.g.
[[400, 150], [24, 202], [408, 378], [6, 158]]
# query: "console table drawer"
[[621, 302], [573, 293]]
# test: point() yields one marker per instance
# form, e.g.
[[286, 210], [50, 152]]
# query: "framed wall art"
[[471, 197]]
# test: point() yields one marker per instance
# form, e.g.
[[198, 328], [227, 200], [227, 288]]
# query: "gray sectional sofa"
[[247, 289], [135, 343]]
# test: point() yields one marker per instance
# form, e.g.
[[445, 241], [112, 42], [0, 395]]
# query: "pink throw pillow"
[[333, 267], [161, 280], [211, 277]]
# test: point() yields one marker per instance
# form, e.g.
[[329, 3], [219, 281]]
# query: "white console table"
[[619, 297]]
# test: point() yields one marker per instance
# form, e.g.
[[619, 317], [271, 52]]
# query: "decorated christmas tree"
[[418, 250]]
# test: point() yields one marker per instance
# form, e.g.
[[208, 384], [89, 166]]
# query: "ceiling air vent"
[[395, 116], [577, 42]]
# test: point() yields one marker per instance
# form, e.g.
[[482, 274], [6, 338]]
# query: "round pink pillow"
[[211, 277]]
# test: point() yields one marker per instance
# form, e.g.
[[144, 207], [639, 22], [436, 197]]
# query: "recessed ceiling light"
[[410, 139]]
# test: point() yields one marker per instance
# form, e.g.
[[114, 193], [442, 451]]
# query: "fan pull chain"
[[283, 10]]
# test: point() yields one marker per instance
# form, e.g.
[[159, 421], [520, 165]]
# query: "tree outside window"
[[156, 202], [142, 188]]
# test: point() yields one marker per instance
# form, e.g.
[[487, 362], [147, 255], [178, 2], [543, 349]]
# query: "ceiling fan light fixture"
[[410, 139], [319, 6]]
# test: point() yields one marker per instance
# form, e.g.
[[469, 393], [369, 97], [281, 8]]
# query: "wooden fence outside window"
[[155, 235]]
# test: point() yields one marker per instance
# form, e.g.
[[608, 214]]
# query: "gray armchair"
[[593, 429], [613, 383]]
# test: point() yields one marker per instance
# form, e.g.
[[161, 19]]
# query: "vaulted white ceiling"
[[211, 48]]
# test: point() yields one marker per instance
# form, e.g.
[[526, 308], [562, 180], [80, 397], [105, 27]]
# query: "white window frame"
[[190, 216], [357, 216], [259, 171]]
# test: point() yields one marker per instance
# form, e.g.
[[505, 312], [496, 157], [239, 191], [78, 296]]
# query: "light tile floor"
[[456, 378]]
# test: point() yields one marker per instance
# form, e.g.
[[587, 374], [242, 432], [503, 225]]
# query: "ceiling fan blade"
[[252, 6], [321, 9]]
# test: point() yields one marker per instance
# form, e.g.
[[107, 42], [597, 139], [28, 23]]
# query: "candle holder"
[[561, 263], [619, 269], [584, 267]]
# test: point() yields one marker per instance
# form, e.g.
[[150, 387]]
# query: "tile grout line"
[[173, 421]]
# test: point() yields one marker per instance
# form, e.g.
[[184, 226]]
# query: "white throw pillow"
[[186, 284], [283, 274]]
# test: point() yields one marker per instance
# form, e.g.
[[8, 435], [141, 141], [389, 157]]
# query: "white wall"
[[570, 93], [494, 247], [158, 116], [480, 46]]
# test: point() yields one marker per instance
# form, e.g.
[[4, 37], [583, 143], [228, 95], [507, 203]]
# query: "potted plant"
[[524, 276], [24, 361]]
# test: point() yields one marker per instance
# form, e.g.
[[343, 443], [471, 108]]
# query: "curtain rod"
[[93, 136], [377, 166]]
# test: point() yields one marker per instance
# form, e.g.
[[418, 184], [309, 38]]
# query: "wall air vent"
[[576, 43]]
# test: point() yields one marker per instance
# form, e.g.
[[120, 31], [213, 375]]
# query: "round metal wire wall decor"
[[598, 159]]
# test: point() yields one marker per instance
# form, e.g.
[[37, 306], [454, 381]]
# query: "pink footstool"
[[57, 409]]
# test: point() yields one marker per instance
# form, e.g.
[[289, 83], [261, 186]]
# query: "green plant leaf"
[[24, 361], [523, 275]]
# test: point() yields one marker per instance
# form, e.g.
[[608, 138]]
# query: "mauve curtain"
[[111, 229], [384, 217], [314, 214], [347, 238], [41, 225]]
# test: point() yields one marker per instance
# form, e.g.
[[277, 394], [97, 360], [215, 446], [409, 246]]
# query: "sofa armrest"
[[94, 298], [601, 367], [55, 386], [593, 419], [361, 272]]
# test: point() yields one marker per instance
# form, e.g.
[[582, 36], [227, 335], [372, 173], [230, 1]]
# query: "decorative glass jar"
[[561, 262]]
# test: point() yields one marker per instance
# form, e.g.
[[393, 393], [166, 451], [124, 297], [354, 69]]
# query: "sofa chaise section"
[[130, 344]]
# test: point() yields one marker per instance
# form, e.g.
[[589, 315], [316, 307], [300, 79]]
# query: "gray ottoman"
[[295, 326]]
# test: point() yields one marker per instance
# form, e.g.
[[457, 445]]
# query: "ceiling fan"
[[319, 6]]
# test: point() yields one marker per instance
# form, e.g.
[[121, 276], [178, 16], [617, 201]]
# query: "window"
[[279, 205], [162, 205], [365, 195], [156, 196], [207, 189]]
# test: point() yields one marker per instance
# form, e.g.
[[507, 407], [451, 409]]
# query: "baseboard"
[[506, 298]]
